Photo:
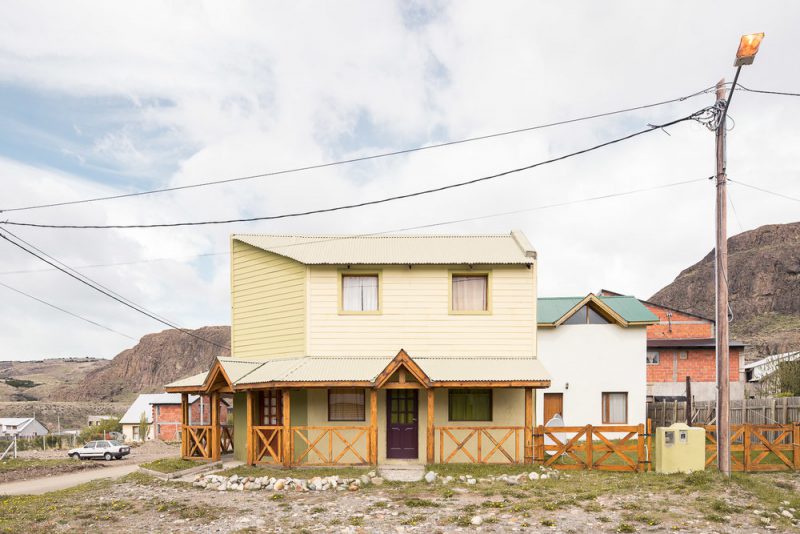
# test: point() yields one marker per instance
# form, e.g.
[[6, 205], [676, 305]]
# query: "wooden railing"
[[591, 447], [329, 445], [267, 444], [226, 439], [471, 443], [758, 447], [197, 441]]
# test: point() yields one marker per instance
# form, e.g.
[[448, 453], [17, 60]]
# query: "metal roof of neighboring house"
[[144, 403], [550, 309], [15, 421], [194, 380], [688, 343], [607, 292], [512, 248], [766, 366]]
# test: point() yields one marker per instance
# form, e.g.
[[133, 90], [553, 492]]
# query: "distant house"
[[594, 348], [94, 420], [22, 427], [759, 375], [683, 344], [163, 414]]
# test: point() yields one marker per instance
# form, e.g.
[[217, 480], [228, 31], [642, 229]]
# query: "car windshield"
[[115, 442], [89, 445]]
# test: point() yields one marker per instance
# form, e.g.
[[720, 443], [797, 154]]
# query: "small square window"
[[653, 358], [470, 293], [615, 408], [360, 293], [683, 355], [346, 405]]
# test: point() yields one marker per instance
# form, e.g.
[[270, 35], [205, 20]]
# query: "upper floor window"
[[470, 293], [653, 358], [360, 293], [586, 315]]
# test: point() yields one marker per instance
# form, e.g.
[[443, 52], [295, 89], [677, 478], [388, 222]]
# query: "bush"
[[789, 377], [100, 430]]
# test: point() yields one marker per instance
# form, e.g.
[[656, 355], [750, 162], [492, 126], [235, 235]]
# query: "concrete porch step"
[[402, 472]]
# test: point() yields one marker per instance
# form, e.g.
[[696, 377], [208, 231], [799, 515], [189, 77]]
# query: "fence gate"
[[605, 448], [757, 448]]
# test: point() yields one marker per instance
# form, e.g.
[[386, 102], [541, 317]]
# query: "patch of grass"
[[494, 504], [277, 497], [298, 472], [478, 470], [714, 518], [646, 519], [447, 493], [10, 465], [460, 520], [548, 523], [626, 527], [356, 520], [718, 505], [317, 510], [420, 503], [171, 465], [413, 520]]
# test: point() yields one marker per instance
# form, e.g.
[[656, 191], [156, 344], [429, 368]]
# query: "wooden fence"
[[758, 447], [480, 444], [604, 448], [782, 410]]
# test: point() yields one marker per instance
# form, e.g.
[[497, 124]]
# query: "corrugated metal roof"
[[189, 381], [236, 369], [485, 369], [512, 248], [143, 404], [551, 309]]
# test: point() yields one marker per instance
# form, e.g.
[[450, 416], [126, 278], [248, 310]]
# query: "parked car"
[[106, 449]]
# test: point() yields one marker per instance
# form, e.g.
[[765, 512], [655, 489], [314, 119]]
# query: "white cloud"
[[225, 90]]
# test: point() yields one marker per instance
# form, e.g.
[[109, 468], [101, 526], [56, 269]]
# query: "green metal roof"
[[551, 309]]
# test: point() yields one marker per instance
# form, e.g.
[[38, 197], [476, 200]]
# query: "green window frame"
[[469, 404]]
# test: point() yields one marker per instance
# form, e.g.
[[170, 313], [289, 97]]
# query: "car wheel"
[[78, 456], [71, 455], [107, 456]]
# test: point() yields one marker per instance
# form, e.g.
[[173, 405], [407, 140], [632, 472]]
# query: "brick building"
[[682, 344], [163, 414]]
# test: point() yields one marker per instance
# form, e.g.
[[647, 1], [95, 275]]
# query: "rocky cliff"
[[156, 360], [764, 280]]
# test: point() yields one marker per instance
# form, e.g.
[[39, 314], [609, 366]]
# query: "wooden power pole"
[[723, 360]]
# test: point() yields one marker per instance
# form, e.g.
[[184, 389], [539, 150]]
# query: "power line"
[[765, 190], [86, 281], [119, 264], [363, 158], [37, 299], [408, 228], [765, 92], [652, 128]]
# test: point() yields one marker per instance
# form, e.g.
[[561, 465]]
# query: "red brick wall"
[[693, 327], [167, 418], [699, 365]]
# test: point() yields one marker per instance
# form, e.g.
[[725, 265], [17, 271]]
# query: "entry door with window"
[[553, 404], [272, 413], [402, 428]]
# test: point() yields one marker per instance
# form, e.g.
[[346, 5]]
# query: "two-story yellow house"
[[376, 349]]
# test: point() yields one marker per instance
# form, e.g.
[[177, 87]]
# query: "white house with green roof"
[[595, 351]]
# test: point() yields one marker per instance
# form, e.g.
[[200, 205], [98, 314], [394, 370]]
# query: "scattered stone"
[[471, 481], [476, 520], [430, 477], [377, 481], [364, 479], [534, 476], [279, 484], [787, 513]]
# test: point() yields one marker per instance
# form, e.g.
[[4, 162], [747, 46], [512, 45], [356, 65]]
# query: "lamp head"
[[748, 48]]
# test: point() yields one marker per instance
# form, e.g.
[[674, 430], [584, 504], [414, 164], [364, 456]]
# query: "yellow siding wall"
[[415, 315], [268, 296]]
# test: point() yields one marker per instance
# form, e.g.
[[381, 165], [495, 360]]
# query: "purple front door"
[[401, 423]]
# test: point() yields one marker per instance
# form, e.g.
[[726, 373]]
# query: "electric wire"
[[694, 116], [364, 158], [764, 190], [765, 92], [37, 299], [86, 281], [405, 229]]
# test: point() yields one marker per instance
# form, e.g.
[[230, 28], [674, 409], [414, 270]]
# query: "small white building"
[[144, 405], [22, 427], [595, 351]]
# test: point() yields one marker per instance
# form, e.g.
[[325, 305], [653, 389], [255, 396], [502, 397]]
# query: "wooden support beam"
[[373, 426], [528, 426], [249, 436], [288, 450], [184, 422], [215, 427], [431, 445]]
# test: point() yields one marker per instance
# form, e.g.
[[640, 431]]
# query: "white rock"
[[543, 476], [279, 484], [377, 481], [476, 520], [430, 477], [364, 479], [534, 476], [471, 481], [787, 513]]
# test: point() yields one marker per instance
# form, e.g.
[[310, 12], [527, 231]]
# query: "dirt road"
[[38, 486]]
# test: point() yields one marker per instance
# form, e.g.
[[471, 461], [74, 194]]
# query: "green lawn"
[[302, 472], [171, 465]]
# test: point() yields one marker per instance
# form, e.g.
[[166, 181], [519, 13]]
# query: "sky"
[[101, 98]]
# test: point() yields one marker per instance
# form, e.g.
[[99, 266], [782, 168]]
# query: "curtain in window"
[[346, 405], [617, 406], [470, 405], [360, 293], [469, 293]]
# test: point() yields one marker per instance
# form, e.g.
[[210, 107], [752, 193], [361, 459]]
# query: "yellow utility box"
[[680, 448]]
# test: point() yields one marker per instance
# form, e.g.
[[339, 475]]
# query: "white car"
[[105, 449]]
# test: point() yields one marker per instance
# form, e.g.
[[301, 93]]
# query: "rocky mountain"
[[156, 360], [764, 281], [33, 380]]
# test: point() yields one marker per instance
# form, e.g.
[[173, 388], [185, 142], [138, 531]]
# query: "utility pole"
[[721, 263]]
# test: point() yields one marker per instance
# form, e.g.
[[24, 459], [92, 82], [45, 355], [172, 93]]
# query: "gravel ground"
[[147, 452], [581, 502]]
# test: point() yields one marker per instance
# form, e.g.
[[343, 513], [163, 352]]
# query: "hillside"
[[156, 360], [42, 379], [764, 275]]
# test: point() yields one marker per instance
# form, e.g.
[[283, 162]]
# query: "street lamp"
[[748, 47]]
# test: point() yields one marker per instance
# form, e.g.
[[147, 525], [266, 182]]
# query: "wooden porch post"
[[528, 426], [215, 429], [288, 450], [184, 423], [249, 436], [431, 446], [373, 426]]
